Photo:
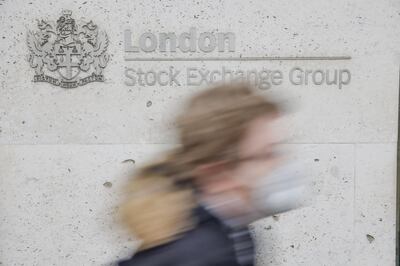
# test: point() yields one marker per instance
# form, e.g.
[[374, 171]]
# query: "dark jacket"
[[208, 244]]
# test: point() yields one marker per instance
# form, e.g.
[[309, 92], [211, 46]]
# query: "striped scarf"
[[240, 235], [243, 245]]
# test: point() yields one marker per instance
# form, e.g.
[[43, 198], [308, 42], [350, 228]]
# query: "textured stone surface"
[[56, 208], [61, 150]]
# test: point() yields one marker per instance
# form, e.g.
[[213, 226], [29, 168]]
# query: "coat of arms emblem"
[[62, 52]]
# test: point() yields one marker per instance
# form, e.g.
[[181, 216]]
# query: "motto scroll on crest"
[[67, 53]]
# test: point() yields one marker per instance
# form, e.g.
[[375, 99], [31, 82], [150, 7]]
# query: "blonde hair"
[[210, 127]]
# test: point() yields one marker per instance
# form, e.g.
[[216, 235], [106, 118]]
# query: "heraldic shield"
[[62, 52]]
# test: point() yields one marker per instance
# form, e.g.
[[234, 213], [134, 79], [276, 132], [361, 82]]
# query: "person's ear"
[[211, 169]]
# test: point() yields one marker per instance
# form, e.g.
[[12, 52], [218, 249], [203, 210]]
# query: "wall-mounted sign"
[[70, 53], [67, 53], [168, 47]]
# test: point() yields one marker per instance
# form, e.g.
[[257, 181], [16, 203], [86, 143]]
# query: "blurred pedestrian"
[[193, 206]]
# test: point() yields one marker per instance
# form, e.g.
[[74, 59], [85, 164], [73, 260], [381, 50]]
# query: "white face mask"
[[283, 189]]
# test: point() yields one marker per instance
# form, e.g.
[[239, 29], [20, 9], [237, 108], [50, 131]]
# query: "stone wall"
[[61, 150]]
